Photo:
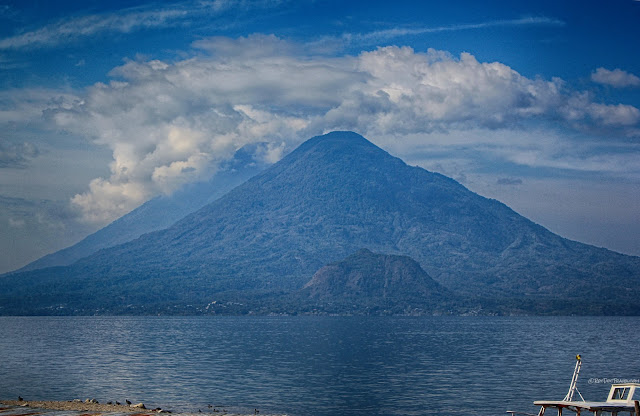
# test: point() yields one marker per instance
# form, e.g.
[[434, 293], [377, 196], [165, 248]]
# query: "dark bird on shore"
[[118, 403], [127, 400], [20, 399]]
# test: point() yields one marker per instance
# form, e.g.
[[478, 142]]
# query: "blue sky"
[[104, 105]]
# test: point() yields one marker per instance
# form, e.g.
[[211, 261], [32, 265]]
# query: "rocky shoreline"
[[78, 407]]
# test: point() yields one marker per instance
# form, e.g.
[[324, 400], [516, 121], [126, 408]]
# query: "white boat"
[[623, 399]]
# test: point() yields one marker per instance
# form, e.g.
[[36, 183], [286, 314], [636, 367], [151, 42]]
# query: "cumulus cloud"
[[620, 114], [579, 108], [170, 123], [616, 78], [410, 92]]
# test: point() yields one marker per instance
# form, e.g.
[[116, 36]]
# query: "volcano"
[[334, 195]]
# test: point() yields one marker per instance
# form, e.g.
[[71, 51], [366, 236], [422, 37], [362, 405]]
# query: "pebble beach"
[[88, 408]]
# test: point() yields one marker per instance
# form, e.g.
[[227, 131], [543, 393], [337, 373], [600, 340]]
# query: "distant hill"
[[158, 213], [332, 196], [375, 282]]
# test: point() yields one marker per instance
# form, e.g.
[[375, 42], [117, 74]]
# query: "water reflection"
[[315, 365]]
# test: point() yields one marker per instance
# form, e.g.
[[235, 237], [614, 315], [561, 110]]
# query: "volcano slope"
[[332, 196]]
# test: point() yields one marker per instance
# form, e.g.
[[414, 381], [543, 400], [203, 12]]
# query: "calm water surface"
[[316, 365]]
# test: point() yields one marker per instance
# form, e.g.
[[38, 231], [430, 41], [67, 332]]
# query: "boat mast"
[[574, 381]]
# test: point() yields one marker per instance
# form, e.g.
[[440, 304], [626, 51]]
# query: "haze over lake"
[[316, 365]]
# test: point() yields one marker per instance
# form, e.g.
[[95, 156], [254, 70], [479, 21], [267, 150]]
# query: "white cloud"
[[172, 123], [403, 31], [107, 200], [616, 78], [252, 46], [71, 29], [25, 130], [620, 114], [408, 92], [27, 106], [67, 30], [625, 165], [331, 43], [579, 108], [522, 153]]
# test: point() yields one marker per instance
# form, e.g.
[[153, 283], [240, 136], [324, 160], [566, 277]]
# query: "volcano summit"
[[259, 244]]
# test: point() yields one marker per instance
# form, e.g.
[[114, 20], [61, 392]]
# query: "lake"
[[317, 365]]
